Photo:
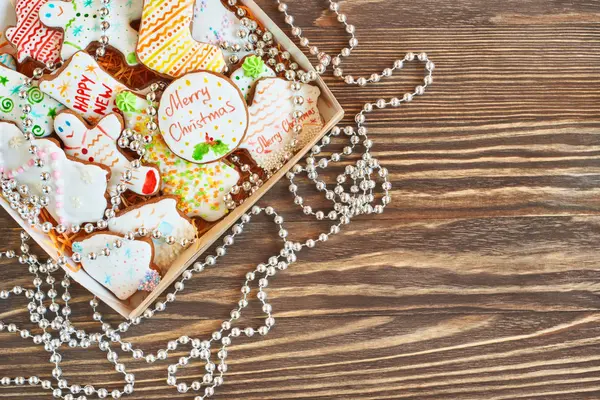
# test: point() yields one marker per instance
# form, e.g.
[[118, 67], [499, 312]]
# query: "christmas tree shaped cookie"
[[126, 269], [99, 144], [43, 107], [81, 22]]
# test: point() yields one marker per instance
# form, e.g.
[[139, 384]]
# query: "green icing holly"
[[216, 146], [126, 102], [253, 66]]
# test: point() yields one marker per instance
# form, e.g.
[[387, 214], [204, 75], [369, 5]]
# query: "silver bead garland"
[[53, 317]]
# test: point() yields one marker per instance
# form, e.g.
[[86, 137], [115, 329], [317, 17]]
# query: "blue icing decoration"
[[77, 247]]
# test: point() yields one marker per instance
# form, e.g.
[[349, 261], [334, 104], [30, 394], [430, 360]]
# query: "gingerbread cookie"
[[76, 190], [271, 120], [253, 68], [166, 44], [31, 38], [84, 87], [81, 22], [200, 189], [125, 270], [202, 117], [215, 24], [43, 108], [7, 18], [99, 144], [159, 215], [8, 61]]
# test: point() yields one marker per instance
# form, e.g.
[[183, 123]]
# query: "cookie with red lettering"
[[159, 215], [81, 23], [166, 44], [202, 117], [76, 190], [215, 24], [99, 144], [31, 38], [43, 107], [199, 189], [84, 87], [126, 266], [253, 68], [271, 120]]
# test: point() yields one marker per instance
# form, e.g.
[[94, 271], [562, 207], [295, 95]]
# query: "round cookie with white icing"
[[81, 22], [200, 189], [252, 69], [202, 117], [128, 267], [77, 190], [159, 215]]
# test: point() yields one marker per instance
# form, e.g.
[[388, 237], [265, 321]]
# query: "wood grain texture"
[[479, 282]]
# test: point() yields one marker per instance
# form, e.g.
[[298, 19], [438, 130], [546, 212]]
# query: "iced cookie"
[[7, 18], [126, 269], [32, 38], [215, 24], [202, 117], [166, 44], [81, 22], [84, 87], [99, 144], [77, 189], [8, 61], [159, 215], [253, 68], [43, 108], [271, 120], [200, 189]]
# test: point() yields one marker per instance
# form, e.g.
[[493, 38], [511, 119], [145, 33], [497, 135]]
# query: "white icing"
[[43, 108], [161, 215], [99, 145], [8, 61], [123, 270], [270, 128], [246, 83], [72, 200], [213, 23], [81, 22], [202, 117]]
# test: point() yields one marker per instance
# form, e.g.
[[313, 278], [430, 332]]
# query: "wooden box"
[[330, 110]]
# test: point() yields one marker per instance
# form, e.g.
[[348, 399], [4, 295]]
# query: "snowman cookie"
[[271, 121], [166, 44], [214, 24], [85, 88], [76, 190], [81, 22], [99, 144], [125, 270], [31, 38], [202, 117], [253, 68], [43, 107], [158, 215], [200, 189]]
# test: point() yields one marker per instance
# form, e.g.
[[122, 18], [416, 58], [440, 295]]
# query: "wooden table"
[[478, 282]]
